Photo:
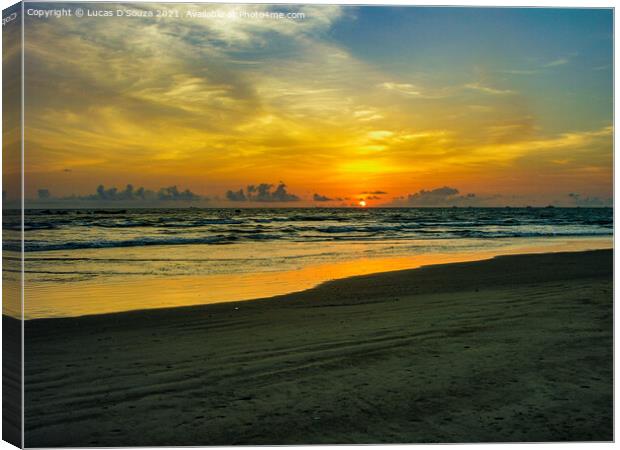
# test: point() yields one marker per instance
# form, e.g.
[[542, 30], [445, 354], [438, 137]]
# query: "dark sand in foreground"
[[517, 348]]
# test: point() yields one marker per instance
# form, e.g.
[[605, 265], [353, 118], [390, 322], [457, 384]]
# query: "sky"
[[396, 106]]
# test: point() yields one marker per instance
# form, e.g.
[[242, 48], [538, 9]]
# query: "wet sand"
[[517, 348]]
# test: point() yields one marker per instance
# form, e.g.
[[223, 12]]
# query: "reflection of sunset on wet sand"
[[144, 292]]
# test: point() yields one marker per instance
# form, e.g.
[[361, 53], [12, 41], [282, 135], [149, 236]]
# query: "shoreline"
[[94, 297], [515, 348]]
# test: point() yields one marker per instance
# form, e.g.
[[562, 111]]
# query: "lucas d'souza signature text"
[[165, 13]]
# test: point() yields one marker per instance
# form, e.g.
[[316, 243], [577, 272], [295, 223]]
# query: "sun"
[[363, 203]]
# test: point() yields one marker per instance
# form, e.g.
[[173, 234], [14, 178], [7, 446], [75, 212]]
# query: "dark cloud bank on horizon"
[[113, 194], [324, 198], [449, 196], [443, 196], [262, 192], [579, 200]]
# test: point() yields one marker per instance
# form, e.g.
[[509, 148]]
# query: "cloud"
[[488, 90], [423, 92], [520, 71], [573, 142], [403, 88], [324, 198], [375, 192], [131, 194], [321, 198], [438, 193], [196, 87], [579, 200], [43, 194], [380, 134], [553, 63], [557, 62], [443, 196], [366, 115], [263, 192], [236, 196], [172, 193], [603, 67]]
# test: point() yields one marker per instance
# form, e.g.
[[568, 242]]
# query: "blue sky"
[[561, 57]]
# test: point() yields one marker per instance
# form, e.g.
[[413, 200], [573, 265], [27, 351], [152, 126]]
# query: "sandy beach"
[[516, 348]]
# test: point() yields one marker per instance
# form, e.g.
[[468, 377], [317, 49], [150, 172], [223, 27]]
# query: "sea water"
[[91, 261]]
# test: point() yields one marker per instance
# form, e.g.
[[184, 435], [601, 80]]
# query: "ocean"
[[93, 260]]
